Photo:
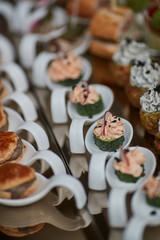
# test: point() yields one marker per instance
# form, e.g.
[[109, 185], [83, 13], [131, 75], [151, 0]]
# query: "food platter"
[[84, 202]]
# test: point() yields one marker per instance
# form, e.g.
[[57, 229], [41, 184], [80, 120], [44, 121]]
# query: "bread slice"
[[16, 180]]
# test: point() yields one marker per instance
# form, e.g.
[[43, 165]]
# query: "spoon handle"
[[76, 138], [48, 159], [24, 102], [38, 133], [117, 211], [39, 69], [96, 174], [58, 105], [135, 229], [17, 76]]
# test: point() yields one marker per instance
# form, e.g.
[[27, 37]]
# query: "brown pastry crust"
[[14, 176], [134, 93], [103, 49], [85, 9], [3, 119], [20, 232], [3, 91], [150, 121], [117, 20], [8, 145]]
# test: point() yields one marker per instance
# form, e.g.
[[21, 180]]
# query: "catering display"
[[79, 118]]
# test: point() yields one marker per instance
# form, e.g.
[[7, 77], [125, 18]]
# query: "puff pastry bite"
[[17, 181], [11, 147]]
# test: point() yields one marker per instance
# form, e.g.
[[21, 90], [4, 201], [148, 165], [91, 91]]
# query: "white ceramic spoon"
[[76, 128], [28, 110], [45, 185], [117, 212], [41, 77], [96, 174], [7, 11], [7, 50], [143, 215], [17, 76]]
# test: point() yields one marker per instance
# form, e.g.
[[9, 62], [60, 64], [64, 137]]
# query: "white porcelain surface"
[[6, 49], [142, 216], [45, 185], [117, 211], [24, 102], [7, 10], [17, 76], [37, 132]]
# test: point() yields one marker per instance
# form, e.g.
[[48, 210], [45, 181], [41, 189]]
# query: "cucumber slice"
[[128, 177], [153, 201], [70, 82], [108, 145], [90, 109]]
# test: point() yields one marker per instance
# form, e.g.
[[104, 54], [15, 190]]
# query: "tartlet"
[[129, 167], [150, 110], [109, 132], [66, 70], [144, 74], [88, 101], [128, 51], [152, 191], [3, 119]]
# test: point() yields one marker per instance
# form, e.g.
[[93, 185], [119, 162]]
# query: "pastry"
[[150, 110], [152, 191], [17, 181], [88, 101], [21, 231], [66, 70], [128, 51], [3, 90], [84, 8], [129, 167], [3, 119], [117, 19], [11, 147], [144, 74], [105, 41], [109, 132]]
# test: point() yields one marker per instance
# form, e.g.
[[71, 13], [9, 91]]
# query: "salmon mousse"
[[152, 190], [129, 167], [109, 132], [88, 101], [66, 70]]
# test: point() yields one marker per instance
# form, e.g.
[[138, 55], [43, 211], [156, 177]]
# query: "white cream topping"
[[150, 101], [145, 74], [130, 50]]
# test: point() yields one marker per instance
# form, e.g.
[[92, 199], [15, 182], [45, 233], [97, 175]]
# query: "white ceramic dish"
[[117, 211], [92, 147], [7, 11], [45, 185], [40, 75], [6, 49], [76, 128], [27, 108], [143, 215], [17, 76], [96, 174]]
